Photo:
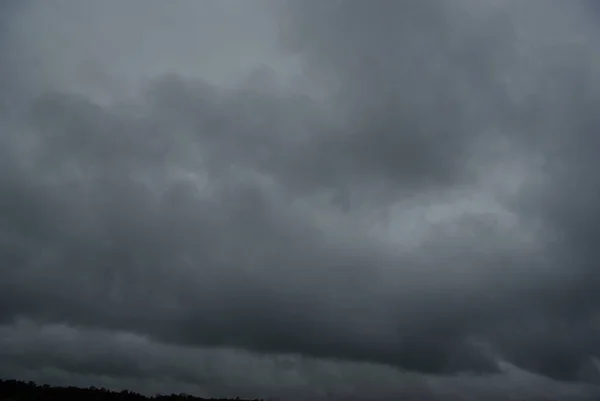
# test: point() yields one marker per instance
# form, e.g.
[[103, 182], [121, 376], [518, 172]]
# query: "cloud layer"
[[409, 184]]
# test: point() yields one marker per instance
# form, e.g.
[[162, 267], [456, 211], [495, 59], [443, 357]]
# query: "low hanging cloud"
[[116, 360], [405, 185]]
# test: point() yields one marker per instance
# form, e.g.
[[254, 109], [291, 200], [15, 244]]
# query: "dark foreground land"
[[13, 390]]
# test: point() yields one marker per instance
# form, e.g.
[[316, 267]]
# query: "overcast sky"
[[301, 199]]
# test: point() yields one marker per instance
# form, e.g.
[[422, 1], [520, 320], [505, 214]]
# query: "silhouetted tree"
[[14, 390]]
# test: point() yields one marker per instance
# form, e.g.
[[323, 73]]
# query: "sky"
[[301, 200]]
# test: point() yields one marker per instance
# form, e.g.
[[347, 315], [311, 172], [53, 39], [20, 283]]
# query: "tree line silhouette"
[[14, 390]]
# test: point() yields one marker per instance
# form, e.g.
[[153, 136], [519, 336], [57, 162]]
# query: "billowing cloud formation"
[[409, 184]]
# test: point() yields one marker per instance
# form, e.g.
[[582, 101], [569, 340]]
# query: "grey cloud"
[[63, 355], [279, 221], [236, 268], [521, 70]]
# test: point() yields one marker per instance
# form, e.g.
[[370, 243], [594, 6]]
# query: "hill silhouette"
[[15, 390]]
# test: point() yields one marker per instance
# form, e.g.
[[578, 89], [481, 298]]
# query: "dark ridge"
[[15, 390]]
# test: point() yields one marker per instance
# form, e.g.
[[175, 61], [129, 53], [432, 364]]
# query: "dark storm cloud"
[[260, 218], [63, 355], [100, 217], [469, 62]]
